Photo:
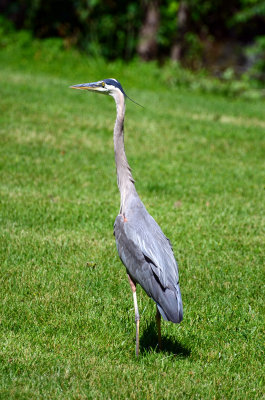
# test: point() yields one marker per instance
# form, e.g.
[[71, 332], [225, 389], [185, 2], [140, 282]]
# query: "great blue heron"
[[143, 248]]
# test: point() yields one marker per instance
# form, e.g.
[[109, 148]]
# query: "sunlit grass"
[[67, 320]]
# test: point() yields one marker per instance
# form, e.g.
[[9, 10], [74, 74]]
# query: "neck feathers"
[[124, 175]]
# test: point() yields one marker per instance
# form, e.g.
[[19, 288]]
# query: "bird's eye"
[[103, 84]]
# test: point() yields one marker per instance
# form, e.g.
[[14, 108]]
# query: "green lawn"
[[67, 318]]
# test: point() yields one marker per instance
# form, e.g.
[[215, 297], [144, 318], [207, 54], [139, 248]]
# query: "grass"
[[67, 319]]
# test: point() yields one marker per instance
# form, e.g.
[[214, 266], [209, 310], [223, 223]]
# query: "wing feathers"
[[154, 269], [149, 238]]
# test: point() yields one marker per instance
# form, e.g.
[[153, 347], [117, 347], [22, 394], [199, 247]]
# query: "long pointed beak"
[[87, 86]]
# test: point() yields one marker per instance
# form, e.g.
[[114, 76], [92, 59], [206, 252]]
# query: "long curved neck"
[[124, 176]]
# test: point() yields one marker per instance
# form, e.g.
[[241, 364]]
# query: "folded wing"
[[149, 259]]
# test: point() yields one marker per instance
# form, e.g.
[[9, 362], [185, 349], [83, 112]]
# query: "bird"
[[145, 251]]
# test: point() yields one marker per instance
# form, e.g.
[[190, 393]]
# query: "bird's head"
[[108, 86]]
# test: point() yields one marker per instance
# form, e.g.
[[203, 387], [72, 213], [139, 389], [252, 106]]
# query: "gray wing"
[[149, 259]]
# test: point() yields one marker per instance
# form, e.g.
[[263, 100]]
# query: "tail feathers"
[[170, 306]]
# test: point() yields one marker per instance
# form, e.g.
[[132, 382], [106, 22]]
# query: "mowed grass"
[[67, 318]]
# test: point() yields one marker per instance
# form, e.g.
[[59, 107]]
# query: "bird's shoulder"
[[140, 231]]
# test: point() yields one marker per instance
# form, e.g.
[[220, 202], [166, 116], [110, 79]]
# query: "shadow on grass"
[[149, 341]]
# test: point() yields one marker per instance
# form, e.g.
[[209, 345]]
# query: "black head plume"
[[117, 84]]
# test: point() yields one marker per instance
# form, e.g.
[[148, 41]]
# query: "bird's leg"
[[158, 324], [137, 316]]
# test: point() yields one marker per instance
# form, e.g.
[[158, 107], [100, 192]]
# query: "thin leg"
[[158, 323], [137, 317]]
